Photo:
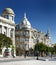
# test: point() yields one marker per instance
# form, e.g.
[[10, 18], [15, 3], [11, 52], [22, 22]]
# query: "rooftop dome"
[[25, 22], [8, 11]]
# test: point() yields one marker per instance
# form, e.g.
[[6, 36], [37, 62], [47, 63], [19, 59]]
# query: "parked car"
[[6, 53]]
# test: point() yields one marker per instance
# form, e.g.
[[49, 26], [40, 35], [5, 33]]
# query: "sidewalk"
[[17, 58], [47, 58], [22, 58], [25, 61]]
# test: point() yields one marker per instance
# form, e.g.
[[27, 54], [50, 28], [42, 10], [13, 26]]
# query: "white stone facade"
[[7, 24]]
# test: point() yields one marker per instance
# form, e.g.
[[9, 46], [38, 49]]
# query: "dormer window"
[[6, 17], [10, 17]]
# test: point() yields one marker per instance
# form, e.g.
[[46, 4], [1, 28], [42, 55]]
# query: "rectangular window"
[[21, 39], [6, 17], [26, 39], [21, 33], [24, 33], [27, 33], [11, 33], [10, 17]]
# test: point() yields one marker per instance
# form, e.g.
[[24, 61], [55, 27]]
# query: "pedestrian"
[[37, 55], [25, 54], [12, 51], [51, 55]]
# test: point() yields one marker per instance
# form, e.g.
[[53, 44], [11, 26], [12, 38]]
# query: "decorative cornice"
[[2, 19]]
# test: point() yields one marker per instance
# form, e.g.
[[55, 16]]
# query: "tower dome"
[[25, 23], [8, 11]]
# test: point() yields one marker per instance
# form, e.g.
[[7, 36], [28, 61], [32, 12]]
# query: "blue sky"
[[40, 13]]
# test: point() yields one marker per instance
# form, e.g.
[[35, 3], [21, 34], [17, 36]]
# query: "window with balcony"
[[24, 33], [27, 33], [26, 39], [21, 39], [21, 33]]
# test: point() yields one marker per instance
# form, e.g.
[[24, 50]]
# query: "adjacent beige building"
[[27, 36]]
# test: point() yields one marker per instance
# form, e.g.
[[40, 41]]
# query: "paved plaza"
[[20, 60], [29, 62]]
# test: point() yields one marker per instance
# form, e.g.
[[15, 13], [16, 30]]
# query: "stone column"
[[30, 40], [2, 30], [7, 31], [14, 42]]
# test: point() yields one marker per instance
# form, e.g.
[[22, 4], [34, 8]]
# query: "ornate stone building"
[[7, 24], [26, 36]]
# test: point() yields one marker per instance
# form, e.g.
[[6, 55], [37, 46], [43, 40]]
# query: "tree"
[[54, 48], [41, 48], [5, 41]]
